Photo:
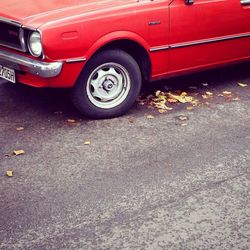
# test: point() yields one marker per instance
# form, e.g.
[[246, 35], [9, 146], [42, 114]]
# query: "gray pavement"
[[141, 183]]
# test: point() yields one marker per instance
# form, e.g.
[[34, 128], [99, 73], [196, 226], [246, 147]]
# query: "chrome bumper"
[[18, 62]]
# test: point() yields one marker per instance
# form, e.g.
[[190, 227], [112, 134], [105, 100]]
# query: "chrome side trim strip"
[[199, 42], [212, 40], [73, 60], [38, 68], [159, 48]]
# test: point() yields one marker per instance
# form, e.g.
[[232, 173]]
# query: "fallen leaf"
[[209, 93], [161, 111], [150, 117], [227, 92], [71, 121], [183, 124], [131, 119], [195, 102], [87, 143], [9, 173], [243, 85], [157, 93], [183, 98], [170, 100], [182, 118], [204, 84], [19, 128], [18, 152], [204, 96], [236, 99], [192, 87]]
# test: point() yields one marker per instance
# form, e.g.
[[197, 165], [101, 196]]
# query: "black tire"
[[111, 74]]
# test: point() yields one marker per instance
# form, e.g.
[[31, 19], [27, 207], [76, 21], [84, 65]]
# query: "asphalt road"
[[146, 181]]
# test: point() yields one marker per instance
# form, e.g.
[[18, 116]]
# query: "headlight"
[[35, 44]]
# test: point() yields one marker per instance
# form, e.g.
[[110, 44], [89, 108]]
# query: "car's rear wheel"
[[108, 85]]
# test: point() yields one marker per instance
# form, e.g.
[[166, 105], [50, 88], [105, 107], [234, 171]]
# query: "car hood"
[[35, 13]]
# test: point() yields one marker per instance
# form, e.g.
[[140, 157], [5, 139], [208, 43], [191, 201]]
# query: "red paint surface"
[[78, 28]]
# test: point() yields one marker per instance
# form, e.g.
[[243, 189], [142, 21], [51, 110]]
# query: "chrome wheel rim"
[[108, 85]]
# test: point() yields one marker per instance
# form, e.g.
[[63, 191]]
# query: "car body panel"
[[175, 36], [217, 29]]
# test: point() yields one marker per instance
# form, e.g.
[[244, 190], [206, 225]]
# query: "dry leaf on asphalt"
[[192, 87], [236, 99], [131, 119], [150, 117], [161, 111], [171, 100], [204, 96], [209, 93], [19, 128], [183, 124], [227, 93], [243, 85], [183, 118], [71, 121], [87, 143], [182, 98], [9, 173], [18, 152], [204, 84]]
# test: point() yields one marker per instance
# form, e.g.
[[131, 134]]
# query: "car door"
[[206, 32]]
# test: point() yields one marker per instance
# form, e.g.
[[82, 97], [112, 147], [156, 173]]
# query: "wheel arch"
[[129, 42]]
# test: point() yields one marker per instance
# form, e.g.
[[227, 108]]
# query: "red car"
[[104, 49]]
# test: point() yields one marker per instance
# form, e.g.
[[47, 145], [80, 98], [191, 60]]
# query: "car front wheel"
[[108, 85]]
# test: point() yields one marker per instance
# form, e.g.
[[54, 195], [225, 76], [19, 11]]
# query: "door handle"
[[245, 2], [189, 2]]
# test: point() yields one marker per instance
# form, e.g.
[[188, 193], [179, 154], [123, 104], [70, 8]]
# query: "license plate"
[[7, 74]]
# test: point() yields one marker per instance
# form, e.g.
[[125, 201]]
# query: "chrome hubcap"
[[108, 85]]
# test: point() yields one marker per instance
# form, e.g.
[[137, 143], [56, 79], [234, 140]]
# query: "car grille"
[[10, 35]]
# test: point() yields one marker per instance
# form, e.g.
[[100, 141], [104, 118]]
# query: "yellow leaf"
[[209, 93], [161, 111], [170, 100], [183, 118], [157, 93], [204, 84], [181, 98], [19, 152], [183, 94], [150, 117], [71, 121], [227, 93], [19, 128], [236, 99], [184, 124], [9, 173], [87, 143], [243, 85]]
